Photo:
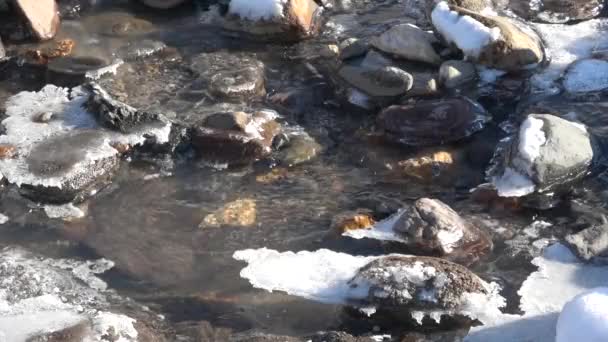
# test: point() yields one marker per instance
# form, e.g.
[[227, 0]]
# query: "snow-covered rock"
[[547, 152], [416, 286], [59, 160], [584, 318], [283, 19], [585, 76], [493, 41]]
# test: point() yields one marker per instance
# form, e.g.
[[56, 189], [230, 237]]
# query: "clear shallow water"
[[149, 226]]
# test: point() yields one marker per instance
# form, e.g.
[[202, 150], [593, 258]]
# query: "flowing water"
[[147, 220]]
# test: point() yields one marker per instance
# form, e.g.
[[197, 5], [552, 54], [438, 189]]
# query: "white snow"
[[586, 75], [321, 276], [468, 34], [257, 9], [66, 211], [382, 230], [121, 325], [68, 116], [513, 184], [560, 277], [584, 318], [566, 44], [3, 219], [531, 139]]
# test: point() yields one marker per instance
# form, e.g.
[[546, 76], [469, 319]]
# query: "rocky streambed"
[[299, 170]]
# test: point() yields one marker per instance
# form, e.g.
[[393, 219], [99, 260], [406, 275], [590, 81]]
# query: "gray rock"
[[353, 47], [425, 84], [412, 283], [409, 42], [114, 114], [380, 82], [591, 242], [229, 76], [453, 74], [432, 122], [434, 227]]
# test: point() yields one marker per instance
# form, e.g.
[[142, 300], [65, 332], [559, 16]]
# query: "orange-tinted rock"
[[42, 16], [240, 213], [7, 151], [427, 167], [352, 221], [275, 175]]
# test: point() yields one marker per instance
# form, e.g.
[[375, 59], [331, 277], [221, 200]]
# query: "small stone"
[[353, 47], [352, 220], [383, 82], [409, 42], [301, 149], [42, 16], [427, 167], [7, 151], [453, 74], [240, 213]]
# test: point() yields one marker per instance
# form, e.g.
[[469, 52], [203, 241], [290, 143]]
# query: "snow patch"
[[258, 9], [513, 184], [468, 34], [586, 76], [120, 325], [63, 211], [585, 318], [531, 139], [560, 277], [3, 219], [566, 44]]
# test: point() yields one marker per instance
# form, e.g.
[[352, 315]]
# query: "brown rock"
[[240, 213], [427, 167], [42, 16], [360, 219]]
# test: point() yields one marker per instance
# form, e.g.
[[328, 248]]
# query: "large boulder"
[[547, 154], [496, 42], [42, 16], [432, 122], [274, 19]]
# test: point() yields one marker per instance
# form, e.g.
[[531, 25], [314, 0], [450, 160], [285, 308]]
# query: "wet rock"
[[453, 74], [139, 49], [425, 84], [240, 213], [289, 20], [162, 4], [114, 114], [229, 76], [409, 42], [236, 137], [381, 82], [353, 47], [427, 167], [300, 149], [591, 243], [432, 122], [547, 154], [417, 284], [554, 11], [499, 42], [352, 220], [275, 175], [74, 71], [42, 16], [586, 76], [68, 156], [117, 24]]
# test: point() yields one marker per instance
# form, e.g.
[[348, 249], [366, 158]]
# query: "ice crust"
[[69, 116], [559, 278], [327, 277], [468, 34], [258, 9], [40, 295]]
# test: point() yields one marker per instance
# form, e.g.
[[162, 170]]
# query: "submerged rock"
[[117, 24], [235, 138], [427, 167], [430, 226], [240, 213], [432, 122], [386, 81], [42, 16], [409, 42], [496, 42], [274, 19], [66, 157], [229, 76], [301, 148], [547, 153]]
